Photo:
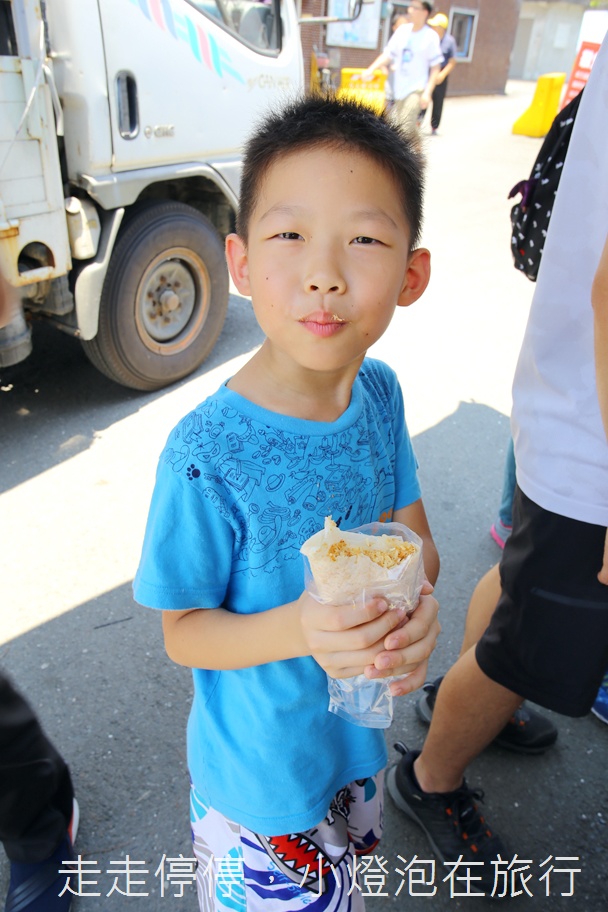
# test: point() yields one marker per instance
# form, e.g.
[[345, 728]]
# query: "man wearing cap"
[[439, 23], [414, 54]]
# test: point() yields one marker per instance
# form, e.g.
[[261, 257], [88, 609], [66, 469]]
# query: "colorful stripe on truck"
[[202, 44]]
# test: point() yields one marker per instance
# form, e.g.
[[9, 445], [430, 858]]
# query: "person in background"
[[547, 640], [503, 524], [389, 87], [439, 22], [414, 53], [38, 811]]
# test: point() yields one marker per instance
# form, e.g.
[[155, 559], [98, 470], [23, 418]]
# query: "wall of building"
[[485, 73], [546, 38]]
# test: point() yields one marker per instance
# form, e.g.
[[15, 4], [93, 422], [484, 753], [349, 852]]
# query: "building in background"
[[497, 39], [549, 33]]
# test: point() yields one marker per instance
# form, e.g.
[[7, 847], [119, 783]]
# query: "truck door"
[[186, 78]]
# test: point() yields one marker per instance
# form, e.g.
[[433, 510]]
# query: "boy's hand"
[[407, 650], [344, 639]]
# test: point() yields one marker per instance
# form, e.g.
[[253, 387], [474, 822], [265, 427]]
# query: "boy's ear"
[[416, 278], [238, 263]]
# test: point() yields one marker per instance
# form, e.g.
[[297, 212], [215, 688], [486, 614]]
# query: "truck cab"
[[121, 131]]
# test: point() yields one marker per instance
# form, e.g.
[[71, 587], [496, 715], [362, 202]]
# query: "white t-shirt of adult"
[[560, 445], [413, 54]]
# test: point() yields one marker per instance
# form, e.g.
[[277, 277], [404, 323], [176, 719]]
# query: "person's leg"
[[38, 813], [502, 526], [36, 794], [526, 731], [481, 607], [470, 710], [438, 99], [505, 511], [405, 112]]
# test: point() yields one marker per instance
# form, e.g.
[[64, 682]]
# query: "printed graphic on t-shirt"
[[406, 56], [277, 487]]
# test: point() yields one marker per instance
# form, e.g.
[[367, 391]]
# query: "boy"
[[329, 218]]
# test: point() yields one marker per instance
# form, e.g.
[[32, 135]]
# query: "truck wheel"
[[164, 298]]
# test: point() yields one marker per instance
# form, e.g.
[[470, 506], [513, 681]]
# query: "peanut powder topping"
[[387, 559]]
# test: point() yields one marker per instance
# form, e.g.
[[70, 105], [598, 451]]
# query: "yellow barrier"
[[370, 93], [537, 120]]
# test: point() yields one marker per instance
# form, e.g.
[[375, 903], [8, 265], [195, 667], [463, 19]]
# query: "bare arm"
[[383, 60], [342, 639], [345, 640], [414, 517], [425, 98], [445, 72], [599, 300]]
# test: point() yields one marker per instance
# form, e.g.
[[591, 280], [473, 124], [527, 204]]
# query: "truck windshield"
[[254, 23]]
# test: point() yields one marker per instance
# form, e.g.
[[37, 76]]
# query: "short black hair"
[[427, 5], [319, 120]]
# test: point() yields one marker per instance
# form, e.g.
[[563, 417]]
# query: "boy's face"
[[326, 260]]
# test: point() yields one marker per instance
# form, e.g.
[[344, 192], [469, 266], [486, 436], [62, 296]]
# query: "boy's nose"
[[326, 286], [325, 281]]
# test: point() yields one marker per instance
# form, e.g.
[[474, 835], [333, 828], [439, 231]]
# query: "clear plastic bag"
[[358, 699]]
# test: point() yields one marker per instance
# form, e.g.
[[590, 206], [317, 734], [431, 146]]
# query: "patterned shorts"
[[242, 871]]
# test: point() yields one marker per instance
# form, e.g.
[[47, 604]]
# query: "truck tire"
[[164, 298]]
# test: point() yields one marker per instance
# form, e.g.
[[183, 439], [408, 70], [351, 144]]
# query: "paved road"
[[78, 456]]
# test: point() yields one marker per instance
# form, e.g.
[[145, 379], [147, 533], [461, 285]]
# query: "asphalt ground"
[[78, 456]]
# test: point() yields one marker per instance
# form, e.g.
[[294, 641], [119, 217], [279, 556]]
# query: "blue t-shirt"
[[238, 491]]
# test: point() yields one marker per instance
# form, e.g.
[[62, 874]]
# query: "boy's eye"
[[363, 239], [289, 235]]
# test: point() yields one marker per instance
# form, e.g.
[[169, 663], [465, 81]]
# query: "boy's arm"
[[342, 639], [445, 72], [425, 98], [414, 517]]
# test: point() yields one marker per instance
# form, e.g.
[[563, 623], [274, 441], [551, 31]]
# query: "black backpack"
[[530, 217]]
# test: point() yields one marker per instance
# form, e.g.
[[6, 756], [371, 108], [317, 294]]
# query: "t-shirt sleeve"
[[385, 385], [407, 484], [449, 50], [435, 54], [187, 550]]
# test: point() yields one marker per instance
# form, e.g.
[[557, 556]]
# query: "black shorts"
[[548, 637]]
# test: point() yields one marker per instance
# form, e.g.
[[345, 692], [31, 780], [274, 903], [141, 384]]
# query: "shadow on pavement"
[[117, 708], [58, 394]]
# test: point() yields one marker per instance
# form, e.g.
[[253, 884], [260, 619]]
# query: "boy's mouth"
[[323, 324]]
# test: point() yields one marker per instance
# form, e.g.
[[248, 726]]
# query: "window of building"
[[463, 25]]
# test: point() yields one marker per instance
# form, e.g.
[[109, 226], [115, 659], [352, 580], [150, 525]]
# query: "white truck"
[[121, 129]]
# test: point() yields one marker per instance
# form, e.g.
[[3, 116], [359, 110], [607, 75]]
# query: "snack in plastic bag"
[[376, 559]]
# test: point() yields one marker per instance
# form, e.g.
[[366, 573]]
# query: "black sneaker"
[[451, 821], [526, 732]]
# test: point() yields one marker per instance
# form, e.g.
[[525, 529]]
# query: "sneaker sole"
[[395, 794], [516, 749], [496, 538], [423, 710]]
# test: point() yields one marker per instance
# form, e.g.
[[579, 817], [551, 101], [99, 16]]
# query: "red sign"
[[580, 71]]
